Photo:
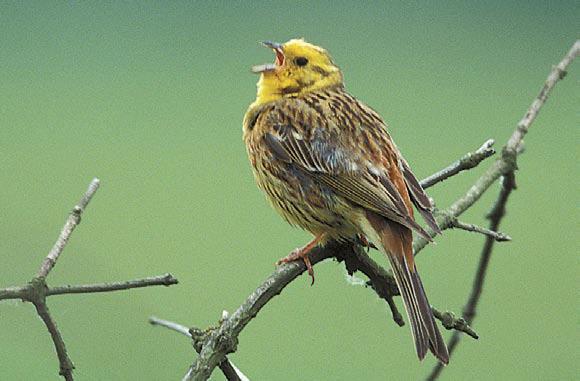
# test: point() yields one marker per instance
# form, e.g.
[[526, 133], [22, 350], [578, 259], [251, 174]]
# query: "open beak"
[[277, 48]]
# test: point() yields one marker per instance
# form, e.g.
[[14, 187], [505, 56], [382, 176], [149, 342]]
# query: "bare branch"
[[513, 147], [24, 292], [66, 365], [71, 223], [217, 342], [74, 218], [170, 325], [36, 291], [499, 237], [14, 293], [468, 161], [223, 340], [495, 216], [160, 280], [557, 73], [503, 165]]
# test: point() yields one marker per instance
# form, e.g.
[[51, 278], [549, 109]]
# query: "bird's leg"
[[302, 253]]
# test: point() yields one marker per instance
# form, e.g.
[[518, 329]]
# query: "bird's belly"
[[304, 202]]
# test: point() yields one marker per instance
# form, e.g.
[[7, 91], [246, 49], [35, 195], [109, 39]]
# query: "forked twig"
[[36, 291]]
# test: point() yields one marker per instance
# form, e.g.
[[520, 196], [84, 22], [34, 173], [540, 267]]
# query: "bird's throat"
[[271, 87]]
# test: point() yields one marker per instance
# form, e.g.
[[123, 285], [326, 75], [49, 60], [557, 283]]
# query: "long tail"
[[397, 243]]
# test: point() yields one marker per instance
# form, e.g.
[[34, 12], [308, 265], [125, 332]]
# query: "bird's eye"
[[301, 61]]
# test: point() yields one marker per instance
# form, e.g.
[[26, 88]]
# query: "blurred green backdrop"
[[149, 96]]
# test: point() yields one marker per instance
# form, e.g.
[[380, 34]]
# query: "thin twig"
[[24, 291], [170, 325], [468, 161], [160, 280], [497, 236], [14, 293], [71, 223], [557, 73], [506, 163], [66, 365]]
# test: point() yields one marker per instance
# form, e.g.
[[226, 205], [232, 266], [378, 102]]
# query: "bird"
[[328, 165]]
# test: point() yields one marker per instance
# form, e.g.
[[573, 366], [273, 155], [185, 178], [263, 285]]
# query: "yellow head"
[[299, 68]]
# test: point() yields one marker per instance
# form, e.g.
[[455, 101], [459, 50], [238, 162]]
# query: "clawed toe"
[[299, 254], [302, 254]]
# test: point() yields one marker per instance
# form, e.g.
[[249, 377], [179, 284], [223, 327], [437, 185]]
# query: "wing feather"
[[419, 197], [339, 172]]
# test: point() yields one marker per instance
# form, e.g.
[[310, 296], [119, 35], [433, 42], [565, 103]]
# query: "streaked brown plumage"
[[328, 165]]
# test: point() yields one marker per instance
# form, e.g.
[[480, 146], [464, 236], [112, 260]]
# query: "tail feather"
[[437, 345], [396, 242]]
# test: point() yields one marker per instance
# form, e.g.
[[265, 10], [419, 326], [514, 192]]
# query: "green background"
[[149, 97]]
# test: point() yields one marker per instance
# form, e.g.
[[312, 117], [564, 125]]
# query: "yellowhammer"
[[327, 164]]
